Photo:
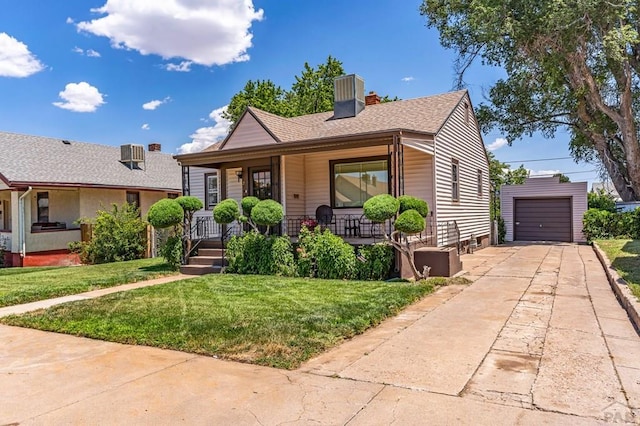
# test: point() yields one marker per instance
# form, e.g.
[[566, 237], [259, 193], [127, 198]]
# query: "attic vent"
[[348, 98], [66, 142], [131, 153]]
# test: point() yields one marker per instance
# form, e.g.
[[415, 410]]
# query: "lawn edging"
[[620, 288]]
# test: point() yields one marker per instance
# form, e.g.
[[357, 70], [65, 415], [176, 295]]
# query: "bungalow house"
[[428, 147], [47, 184]]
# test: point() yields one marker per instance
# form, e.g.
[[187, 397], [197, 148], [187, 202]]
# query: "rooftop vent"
[[66, 142], [131, 153], [348, 96]]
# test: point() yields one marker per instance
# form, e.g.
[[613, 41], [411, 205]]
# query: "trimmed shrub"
[[254, 253], [410, 222], [381, 208], [189, 203], [226, 211], [407, 202], [171, 251], [374, 262], [334, 257], [267, 213], [601, 200], [165, 213], [597, 224], [248, 203]]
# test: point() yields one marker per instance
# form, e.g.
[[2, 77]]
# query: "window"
[[479, 182], [172, 195], [455, 180], [43, 207], [211, 190], [261, 184], [133, 198], [355, 181]]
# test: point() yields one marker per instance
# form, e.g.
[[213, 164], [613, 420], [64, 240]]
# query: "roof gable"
[[38, 160], [249, 131]]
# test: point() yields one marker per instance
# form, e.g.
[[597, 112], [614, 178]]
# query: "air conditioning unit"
[[348, 98], [132, 153]]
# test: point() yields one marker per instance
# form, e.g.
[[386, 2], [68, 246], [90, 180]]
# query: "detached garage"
[[543, 209]]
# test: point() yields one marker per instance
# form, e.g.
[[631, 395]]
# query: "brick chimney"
[[371, 99], [155, 147]]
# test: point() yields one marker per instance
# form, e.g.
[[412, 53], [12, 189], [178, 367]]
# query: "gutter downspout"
[[22, 241]]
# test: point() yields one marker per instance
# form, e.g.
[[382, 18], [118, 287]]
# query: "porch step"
[[210, 244], [199, 269], [209, 252], [206, 260]]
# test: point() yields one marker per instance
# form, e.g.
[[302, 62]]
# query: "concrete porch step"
[[199, 269], [209, 252], [206, 260]]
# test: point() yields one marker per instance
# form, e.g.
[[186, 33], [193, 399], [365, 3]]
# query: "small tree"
[[226, 211], [189, 205], [410, 221], [168, 213]]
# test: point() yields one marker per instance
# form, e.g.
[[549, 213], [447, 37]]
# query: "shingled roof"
[[423, 115], [28, 160]]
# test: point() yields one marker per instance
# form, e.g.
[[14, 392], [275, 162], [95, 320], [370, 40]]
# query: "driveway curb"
[[620, 288]]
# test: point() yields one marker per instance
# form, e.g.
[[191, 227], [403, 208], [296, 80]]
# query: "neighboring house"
[[427, 147], [607, 187], [543, 209], [47, 184]]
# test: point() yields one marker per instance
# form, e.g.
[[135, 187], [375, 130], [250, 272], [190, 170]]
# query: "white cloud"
[[78, 50], [408, 79], [151, 105], [205, 136], [497, 144], [542, 173], [80, 97], [184, 66], [15, 58], [69, 20], [145, 126], [205, 32], [93, 54]]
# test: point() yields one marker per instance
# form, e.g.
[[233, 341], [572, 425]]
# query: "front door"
[[261, 183]]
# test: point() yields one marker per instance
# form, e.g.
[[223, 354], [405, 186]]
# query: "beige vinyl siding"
[[197, 187], [317, 176], [294, 183], [248, 133], [234, 187], [418, 175], [459, 139], [545, 188]]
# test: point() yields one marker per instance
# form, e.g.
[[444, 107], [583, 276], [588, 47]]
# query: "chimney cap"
[[154, 147]]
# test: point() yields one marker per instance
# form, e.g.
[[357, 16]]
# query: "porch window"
[[479, 183], [43, 207], [455, 180], [355, 181], [261, 184], [211, 194], [133, 198]]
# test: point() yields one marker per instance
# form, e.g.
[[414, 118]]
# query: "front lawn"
[[23, 285], [265, 320], [624, 256]]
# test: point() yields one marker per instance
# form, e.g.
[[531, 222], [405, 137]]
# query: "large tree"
[[569, 64]]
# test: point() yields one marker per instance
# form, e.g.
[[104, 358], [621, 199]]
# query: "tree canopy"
[[311, 92], [571, 65]]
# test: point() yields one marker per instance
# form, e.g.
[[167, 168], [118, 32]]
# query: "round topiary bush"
[[407, 202], [248, 203], [267, 212], [410, 222], [380, 208], [226, 211], [165, 213], [189, 203]]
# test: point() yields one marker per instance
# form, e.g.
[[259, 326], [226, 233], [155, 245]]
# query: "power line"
[[566, 173], [538, 159]]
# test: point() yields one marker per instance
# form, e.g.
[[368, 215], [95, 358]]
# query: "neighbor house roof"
[[422, 115], [34, 160]]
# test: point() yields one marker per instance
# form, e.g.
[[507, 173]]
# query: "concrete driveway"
[[538, 338]]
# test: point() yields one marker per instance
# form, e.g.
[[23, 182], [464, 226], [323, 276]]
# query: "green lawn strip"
[[266, 320], [27, 270], [624, 256], [23, 286]]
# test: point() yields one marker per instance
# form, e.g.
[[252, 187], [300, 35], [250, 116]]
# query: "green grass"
[[266, 320], [624, 256], [23, 285]]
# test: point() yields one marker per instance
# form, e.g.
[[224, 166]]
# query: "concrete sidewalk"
[[538, 338]]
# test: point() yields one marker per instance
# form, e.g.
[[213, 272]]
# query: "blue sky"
[[141, 71]]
